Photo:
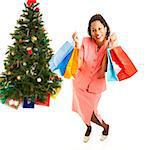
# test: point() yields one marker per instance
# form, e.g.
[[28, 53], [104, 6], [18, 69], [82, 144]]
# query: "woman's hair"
[[102, 20]]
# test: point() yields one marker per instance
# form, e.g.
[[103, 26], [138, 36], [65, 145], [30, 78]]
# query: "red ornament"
[[30, 2], [30, 52], [57, 77], [20, 41], [37, 9]]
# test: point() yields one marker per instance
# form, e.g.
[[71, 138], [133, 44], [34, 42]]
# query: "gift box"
[[28, 102], [14, 103], [44, 103]]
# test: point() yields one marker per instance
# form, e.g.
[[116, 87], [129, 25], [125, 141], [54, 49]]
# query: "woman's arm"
[[104, 63], [80, 49], [113, 41], [75, 39], [103, 67]]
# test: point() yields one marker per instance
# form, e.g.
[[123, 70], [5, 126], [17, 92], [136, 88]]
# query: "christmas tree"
[[27, 71]]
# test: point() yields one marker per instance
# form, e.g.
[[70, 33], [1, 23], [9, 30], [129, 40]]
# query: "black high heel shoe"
[[87, 134], [105, 133]]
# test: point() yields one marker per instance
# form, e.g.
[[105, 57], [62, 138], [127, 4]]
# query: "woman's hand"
[[101, 74], [75, 39], [113, 41]]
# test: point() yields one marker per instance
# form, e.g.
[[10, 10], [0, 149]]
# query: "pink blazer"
[[87, 75]]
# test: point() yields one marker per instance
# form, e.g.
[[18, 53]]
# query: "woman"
[[89, 82]]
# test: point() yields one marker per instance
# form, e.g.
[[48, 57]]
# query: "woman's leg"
[[105, 126], [87, 134], [88, 131]]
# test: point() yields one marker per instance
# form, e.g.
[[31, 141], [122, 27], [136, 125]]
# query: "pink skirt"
[[85, 103]]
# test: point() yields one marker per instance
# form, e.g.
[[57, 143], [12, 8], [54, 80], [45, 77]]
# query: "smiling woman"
[[91, 74]]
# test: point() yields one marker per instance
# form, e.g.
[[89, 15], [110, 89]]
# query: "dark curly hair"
[[102, 20]]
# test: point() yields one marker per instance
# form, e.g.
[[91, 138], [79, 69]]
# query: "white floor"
[[57, 127]]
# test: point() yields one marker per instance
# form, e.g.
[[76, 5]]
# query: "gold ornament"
[[53, 96], [18, 77], [58, 90], [34, 38], [1, 79], [12, 53], [9, 73]]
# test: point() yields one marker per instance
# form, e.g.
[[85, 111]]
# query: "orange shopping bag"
[[72, 66]]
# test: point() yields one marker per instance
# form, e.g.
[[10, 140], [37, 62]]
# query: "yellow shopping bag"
[[72, 66]]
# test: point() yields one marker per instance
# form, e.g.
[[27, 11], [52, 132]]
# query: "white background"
[[123, 105]]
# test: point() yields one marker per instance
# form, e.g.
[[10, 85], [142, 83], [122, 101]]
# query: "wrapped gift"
[[44, 103], [14, 103], [28, 102]]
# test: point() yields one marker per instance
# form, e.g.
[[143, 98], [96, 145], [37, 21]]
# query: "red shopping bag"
[[123, 61]]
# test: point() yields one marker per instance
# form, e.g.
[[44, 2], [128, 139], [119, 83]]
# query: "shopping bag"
[[63, 64], [127, 68], [72, 66], [111, 74], [61, 54]]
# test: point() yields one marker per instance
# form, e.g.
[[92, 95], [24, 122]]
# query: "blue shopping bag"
[[63, 64], [111, 74], [59, 58]]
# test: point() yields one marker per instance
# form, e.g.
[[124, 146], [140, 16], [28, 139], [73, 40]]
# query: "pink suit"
[[87, 87]]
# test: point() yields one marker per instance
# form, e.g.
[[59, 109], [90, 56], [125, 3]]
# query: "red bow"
[[30, 2]]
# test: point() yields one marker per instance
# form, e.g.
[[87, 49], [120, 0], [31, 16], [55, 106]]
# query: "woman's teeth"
[[98, 37]]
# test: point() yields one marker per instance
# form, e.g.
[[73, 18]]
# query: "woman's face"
[[98, 31]]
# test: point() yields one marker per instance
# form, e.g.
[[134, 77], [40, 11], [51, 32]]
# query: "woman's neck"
[[99, 44]]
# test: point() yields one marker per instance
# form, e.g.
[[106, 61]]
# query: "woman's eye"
[[99, 28]]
